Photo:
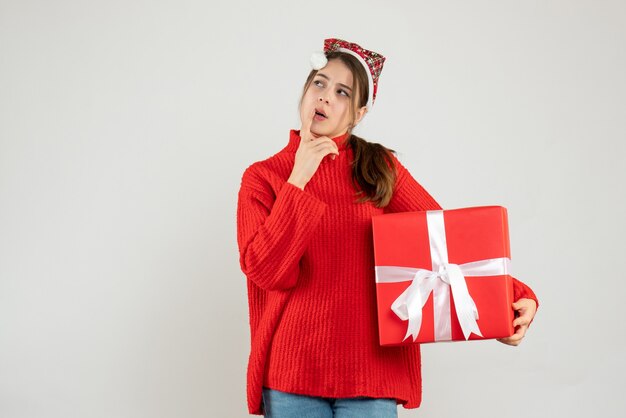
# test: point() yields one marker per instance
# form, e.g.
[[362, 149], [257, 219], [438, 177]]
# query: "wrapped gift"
[[443, 275]]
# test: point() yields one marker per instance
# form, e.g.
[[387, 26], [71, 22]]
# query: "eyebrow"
[[341, 84]]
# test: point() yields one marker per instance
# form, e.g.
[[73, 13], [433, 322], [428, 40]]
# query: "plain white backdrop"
[[125, 127]]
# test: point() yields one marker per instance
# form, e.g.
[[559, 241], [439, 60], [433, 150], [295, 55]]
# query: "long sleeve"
[[409, 196], [272, 234]]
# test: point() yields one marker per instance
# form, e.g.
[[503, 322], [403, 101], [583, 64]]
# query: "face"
[[331, 92]]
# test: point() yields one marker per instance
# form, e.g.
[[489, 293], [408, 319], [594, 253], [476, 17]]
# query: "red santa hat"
[[372, 61]]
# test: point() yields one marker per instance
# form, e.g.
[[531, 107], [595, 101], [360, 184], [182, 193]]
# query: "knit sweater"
[[309, 262]]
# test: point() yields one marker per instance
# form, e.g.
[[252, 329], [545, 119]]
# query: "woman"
[[305, 240]]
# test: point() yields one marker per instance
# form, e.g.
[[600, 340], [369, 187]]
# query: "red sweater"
[[309, 261]]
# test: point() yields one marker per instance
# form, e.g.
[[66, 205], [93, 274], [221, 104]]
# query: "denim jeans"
[[280, 404]]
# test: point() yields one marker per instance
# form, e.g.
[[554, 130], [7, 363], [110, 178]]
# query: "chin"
[[320, 131], [322, 126]]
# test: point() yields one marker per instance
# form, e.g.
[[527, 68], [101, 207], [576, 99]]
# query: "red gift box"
[[443, 275]]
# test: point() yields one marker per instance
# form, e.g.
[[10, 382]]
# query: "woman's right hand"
[[310, 152]]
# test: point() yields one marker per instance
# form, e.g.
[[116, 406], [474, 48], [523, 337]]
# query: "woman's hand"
[[526, 308], [310, 152]]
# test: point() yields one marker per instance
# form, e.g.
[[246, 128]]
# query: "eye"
[[344, 92], [316, 82]]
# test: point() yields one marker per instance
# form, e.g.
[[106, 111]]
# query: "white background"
[[125, 127]]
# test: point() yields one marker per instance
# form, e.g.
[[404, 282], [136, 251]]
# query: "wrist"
[[296, 183]]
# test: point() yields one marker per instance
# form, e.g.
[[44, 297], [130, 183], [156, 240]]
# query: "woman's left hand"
[[526, 308]]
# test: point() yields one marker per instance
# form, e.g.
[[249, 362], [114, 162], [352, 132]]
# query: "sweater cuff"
[[301, 198]]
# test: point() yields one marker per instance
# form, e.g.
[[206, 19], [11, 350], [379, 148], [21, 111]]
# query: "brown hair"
[[373, 167]]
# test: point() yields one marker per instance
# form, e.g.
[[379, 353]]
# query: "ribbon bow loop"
[[409, 305]]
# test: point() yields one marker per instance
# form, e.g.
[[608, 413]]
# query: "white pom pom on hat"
[[318, 60]]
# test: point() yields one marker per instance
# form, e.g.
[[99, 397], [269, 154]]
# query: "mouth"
[[320, 113]]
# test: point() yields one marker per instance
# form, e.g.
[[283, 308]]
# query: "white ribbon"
[[408, 306]]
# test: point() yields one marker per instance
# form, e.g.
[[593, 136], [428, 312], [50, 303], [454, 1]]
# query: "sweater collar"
[[294, 140]]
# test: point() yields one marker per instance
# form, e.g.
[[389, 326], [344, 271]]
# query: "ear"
[[360, 114]]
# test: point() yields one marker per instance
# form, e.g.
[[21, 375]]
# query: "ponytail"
[[373, 171]]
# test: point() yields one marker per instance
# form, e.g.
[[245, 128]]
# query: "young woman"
[[305, 240]]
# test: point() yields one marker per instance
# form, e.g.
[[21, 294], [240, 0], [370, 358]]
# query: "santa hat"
[[372, 61]]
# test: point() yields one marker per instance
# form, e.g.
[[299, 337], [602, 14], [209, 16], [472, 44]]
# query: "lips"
[[320, 112]]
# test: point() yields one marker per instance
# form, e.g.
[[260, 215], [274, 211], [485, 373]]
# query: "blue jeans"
[[280, 404]]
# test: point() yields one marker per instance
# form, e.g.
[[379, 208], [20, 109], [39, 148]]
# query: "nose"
[[322, 99]]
